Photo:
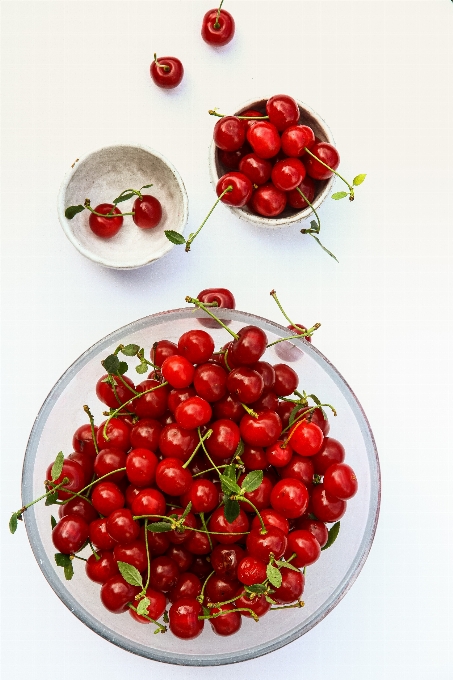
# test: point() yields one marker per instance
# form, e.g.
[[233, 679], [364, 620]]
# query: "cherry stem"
[[76, 557], [302, 417], [204, 525], [145, 587], [312, 207], [52, 490], [116, 411], [200, 443], [109, 215], [351, 189], [201, 305], [93, 433], [175, 525], [254, 616], [297, 604], [206, 452], [88, 486], [273, 294], [239, 497], [193, 236], [214, 605], [162, 66], [200, 597], [163, 629], [213, 112], [197, 474], [216, 24], [249, 410], [307, 333]]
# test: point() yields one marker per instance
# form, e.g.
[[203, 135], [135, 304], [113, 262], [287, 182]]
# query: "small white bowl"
[[104, 174], [288, 216]]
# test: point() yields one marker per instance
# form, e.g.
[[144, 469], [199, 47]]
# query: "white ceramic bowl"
[[289, 215], [104, 174]]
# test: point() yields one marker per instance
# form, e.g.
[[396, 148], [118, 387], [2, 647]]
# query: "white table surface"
[[76, 77]]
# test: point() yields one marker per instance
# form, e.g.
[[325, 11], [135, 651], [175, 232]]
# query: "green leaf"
[[270, 600], [206, 611], [325, 249], [111, 364], [231, 510], [230, 471], [123, 197], [122, 368], [53, 522], [141, 368], [252, 481], [240, 450], [130, 350], [175, 237], [142, 607], [315, 226], [286, 565], [293, 414], [165, 617], [13, 523], [57, 467], [339, 195], [187, 510], [68, 571], [72, 211], [256, 588], [160, 527], [315, 399], [62, 560], [274, 576], [228, 485], [358, 180], [130, 574], [333, 533], [52, 498], [146, 186]]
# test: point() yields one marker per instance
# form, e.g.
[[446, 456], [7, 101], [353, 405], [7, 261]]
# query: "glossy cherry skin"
[[178, 371], [133, 553], [249, 347], [340, 481], [245, 384], [148, 502], [70, 534], [231, 159], [157, 543], [250, 113], [229, 133], [224, 439], [295, 200], [326, 507], [168, 74], [328, 154], [299, 467], [210, 381], [219, 589], [79, 506], [204, 495], [225, 560], [108, 460], [177, 396], [268, 201], [116, 594], [288, 173], [147, 212], [172, 478], [99, 536], [141, 467], [315, 527], [241, 192], [122, 527], [117, 435], [263, 545], [177, 442], [227, 407], [184, 621], [164, 573], [222, 296], [261, 431], [156, 607], [286, 380], [74, 472], [258, 604], [86, 462], [264, 139], [306, 547], [290, 498], [82, 440], [153, 404], [271, 518], [230, 532], [217, 35], [226, 624], [198, 543], [251, 570], [254, 458], [332, 451], [279, 454], [196, 346], [257, 169], [306, 438], [193, 413], [107, 498], [292, 587], [187, 585], [178, 536], [260, 497], [317, 417], [101, 569], [162, 350], [105, 227], [283, 111], [181, 556], [296, 139], [114, 398]]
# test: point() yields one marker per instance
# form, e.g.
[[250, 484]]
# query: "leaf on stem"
[[325, 249], [293, 414], [13, 523], [287, 565], [142, 607], [240, 450], [142, 368], [358, 180], [57, 467], [333, 533], [231, 510], [53, 522], [146, 186], [165, 617], [52, 498], [274, 576], [252, 481], [257, 588], [228, 485], [160, 527], [72, 211], [130, 350], [339, 195], [230, 471], [314, 226], [175, 237], [123, 197], [114, 366], [65, 561], [130, 574], [186, 511]]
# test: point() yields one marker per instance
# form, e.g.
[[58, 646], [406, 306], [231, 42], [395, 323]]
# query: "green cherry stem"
[[200, 597], [88, 486], [351, 188], [207, 454], [312, 207], [240, 497], [145, 587], [116, 411], [200, 443], [297, 604], [254, 616], [20, 512], [93, 432], [304, 331], [203, 524], [161, 628], [214, 112], [162, 66], [216, 24], [192, 237], [201, 305], [249, 410], [307, 333], [110, 214]]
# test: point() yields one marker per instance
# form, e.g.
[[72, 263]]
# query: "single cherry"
[[326, 153], [283, 111], [218, 27], [288, 173], [296, 139], [147, 212], [264, 139], [229, 133], [268, 201], [105, 227], [166, 72]]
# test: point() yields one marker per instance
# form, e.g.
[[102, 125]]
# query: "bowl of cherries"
[[191, 497], [115, 204]]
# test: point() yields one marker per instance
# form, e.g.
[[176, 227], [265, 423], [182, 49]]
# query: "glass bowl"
[[327, 581]]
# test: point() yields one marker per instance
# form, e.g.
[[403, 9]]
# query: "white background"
[[76, 77]]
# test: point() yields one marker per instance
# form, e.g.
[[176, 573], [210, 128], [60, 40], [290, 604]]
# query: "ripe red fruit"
[[326, 507], [268, 201], [196, 346], [217, 28], [155, 609], [229, 532], [326, 153], [70, 534], [193, 413], [82, 440], [116, 594], [263, 546], [264, 139], [74, 472], [306, 438], [178, 371], [229, 133], [296, 139], [257, 169], [241, 191], [306, 547], [172, 478], [251, 570], [166, 72], [288, 173], [261, 431], [141, 467], [147, 212], [290, 498], [283, 111], [102, 567], [184, 621], [340, 481], [105, 227], [295, 200]]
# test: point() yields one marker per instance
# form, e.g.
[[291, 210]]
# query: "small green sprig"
[[125, 195]]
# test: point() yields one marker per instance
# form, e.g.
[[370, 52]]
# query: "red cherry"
[[290, 498], [181, 556], [296, 139], [261, 431], [258, 604], [107, 497], [249, 347], [172, 478], [291, 588], [70, 534], [326, 507], [108, 460], [226, 624], [184, 621], [229, 133], [286, 380], [231, 159], [288, 173], [198, 543], [196, 346], [299, 467], [306, 547], [254, 458], [306, 438], [245, 384], [230, 532], [263, 545], [224, 439], [141, 467], [210, 381], [222, 296], [155, 609], [295, 200], [225, 560], [164, 573], [217, 28], [332, 451], [177, 396], [271, 518], [177, 442], [178, 371], [250, 113], [117, 435], [242, 189], [340, 481], [279, 454], [227, 407], [162, 350], [251, 570], [133, 553], [79, 506], [152, 404], [193, 413], [82, 440], [204, 495], [99, 536], [315, 527], [283, 111], [268, 201], [114, 397], [257, 169], [116, 594], [147, 212], [166, 72], [326, 153], [148, 502], [86, 462], [105, 227], [74, 472], [122, 527], [220, 588], [102, 567], [187, 585], [264, 139]]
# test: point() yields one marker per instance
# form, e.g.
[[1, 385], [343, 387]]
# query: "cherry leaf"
[[325, 249], [228, 485], [111, 364], [130, 350], [240, 450], [358, 180], [160, 527], [230, 471], [175, 237], [339, 195], [130, 574], [274, 576], [62, 560], [286, 565], [165, 617], [315, 226], [57, 467], [187, 510], [146, 186], [13, 523], [122, 368], [53, 522], [270, 600], [141, 368], [124, 197], [52, 498], [142, 607], [252, 481], [293, 414], [333, 533], [231, 510], [72, 211], [256, 588], [68, 571]]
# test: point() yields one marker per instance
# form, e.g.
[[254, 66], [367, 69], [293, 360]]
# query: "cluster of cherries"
[[106, 219], [209, 484], [217, 29]]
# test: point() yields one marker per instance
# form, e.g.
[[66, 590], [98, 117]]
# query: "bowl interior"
[[102, 176], [326, 581], [289, 215]]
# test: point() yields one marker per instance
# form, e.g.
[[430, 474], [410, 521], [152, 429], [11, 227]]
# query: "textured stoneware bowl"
[[327, 581], [104, 174], [289, 215]]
